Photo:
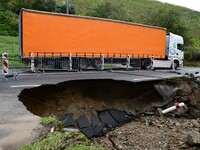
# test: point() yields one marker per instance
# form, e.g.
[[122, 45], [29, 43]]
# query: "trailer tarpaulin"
[[52, 32]]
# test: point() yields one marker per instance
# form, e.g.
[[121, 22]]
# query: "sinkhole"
[[88, 96]]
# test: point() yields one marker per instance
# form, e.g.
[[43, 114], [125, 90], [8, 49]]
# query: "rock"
[[193, 138], [195, 113], [195, 123], [184, 91], [159, 112], [198, 119]]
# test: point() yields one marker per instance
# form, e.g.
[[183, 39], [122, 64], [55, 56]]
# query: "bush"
[[9, 23], [195, 56], [188, 56]]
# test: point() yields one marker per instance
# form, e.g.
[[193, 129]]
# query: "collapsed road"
[[10, 90]]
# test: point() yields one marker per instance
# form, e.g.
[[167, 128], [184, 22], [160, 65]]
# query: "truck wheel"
[[64, 64], [84, 63], [147, 64], [176, 64], [96, 63]]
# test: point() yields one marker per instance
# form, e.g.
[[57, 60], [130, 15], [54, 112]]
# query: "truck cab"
[[175, 49]]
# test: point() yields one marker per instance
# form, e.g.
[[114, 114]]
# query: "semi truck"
[[58, 35]]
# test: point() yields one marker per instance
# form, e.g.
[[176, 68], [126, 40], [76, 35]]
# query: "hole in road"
[[87, 96]]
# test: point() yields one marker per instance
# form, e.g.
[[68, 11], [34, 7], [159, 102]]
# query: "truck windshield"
[[180, 47]]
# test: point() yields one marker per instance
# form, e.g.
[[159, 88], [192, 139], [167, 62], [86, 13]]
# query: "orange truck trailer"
[[57, 35]]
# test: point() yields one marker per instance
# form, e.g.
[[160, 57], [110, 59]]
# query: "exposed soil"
[[151, 132], [148, 131]]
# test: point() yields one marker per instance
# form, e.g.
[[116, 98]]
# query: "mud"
[[87, 96]]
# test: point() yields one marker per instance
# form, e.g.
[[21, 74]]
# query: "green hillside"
[[176, 19]]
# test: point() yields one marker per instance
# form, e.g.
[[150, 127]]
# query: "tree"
[[168, 18], [63, 9], [9, 23], [112, 10], [45, 5]]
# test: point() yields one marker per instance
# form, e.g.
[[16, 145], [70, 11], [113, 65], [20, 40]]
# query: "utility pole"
[[67, 6]]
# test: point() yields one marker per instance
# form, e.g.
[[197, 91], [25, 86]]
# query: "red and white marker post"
[[5, 64], [32, 63]]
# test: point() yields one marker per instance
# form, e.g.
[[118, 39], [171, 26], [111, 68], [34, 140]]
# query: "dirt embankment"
[[148, 131]]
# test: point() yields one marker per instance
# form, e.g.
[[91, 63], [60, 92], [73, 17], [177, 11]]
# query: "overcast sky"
[[192, 4]]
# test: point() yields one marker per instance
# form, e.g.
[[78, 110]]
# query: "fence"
[[82, 63], [70, 63]]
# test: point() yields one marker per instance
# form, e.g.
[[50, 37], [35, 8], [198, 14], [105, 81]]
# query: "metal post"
[[42, 64], [67, 6], [12, 65]]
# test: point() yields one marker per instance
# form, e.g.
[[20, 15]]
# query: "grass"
[[59, 139], [49, 120], [191, 63], [10, 45]]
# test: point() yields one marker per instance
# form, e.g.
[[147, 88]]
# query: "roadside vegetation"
[[59, 139], [10, 45]]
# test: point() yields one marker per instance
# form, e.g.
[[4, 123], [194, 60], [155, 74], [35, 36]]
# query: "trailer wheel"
[[84, 63], [147, 64], [64, 64], [96, 63]]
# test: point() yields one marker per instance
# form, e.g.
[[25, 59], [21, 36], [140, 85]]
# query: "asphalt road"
[[16, 123]]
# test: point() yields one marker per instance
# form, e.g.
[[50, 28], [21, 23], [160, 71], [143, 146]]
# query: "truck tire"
[[65, 65], [84, 63], [96, 63], [147, 64], [176, 64]]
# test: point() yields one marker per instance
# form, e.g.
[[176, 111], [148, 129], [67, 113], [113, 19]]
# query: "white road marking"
[[26, 74], [19, 86]]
